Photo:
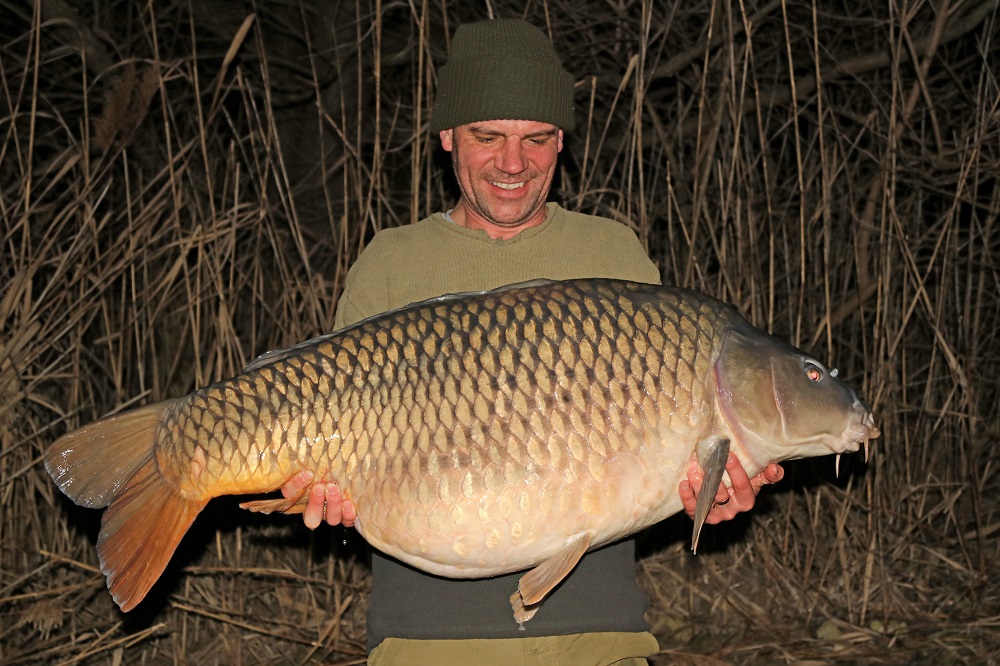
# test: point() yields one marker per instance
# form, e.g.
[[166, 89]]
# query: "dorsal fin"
[[280, 354]]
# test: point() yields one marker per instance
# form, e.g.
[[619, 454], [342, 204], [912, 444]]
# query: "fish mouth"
[[861, 429]]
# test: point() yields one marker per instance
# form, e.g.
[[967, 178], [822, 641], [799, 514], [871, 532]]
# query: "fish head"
[[782, 403]]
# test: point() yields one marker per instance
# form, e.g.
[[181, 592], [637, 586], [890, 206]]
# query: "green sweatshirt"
[[436, 256]]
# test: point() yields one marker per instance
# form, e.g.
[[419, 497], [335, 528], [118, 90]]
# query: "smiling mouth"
[[507, 186]]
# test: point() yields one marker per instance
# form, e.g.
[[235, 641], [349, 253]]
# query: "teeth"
[[507, 186]]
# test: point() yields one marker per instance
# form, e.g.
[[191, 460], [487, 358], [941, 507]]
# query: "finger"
[[742, 490], [688, 498], [695, 476], [737, 474], [334, 510], [690, 487], [295, 485], [771, 474], [722, 512], [350, 513], [312, 516]]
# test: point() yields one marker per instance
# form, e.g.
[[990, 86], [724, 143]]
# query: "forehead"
[[508, 127]]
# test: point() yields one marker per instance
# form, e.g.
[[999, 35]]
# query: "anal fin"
[[288, 505], [713, 452], [541, 580]]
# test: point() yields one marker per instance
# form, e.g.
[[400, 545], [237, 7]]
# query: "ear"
[[559, 143], [448, 139]]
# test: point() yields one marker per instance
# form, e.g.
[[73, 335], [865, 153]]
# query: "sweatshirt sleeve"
[[367, 286]]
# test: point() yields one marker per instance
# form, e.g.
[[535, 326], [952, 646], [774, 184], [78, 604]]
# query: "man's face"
[[504, 168]]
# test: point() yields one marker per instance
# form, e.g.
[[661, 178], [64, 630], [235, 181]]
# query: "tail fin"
[[93, 463], [140, 532], [110, 463]]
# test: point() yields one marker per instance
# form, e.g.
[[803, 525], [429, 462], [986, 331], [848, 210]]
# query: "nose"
[[510, 158]]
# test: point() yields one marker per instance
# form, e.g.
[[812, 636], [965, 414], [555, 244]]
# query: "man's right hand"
[[324, 501]]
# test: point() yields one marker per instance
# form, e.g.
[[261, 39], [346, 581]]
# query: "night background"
[[184, 186]]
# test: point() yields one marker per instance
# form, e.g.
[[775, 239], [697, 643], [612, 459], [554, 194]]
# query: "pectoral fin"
[[712, 455], [541, 580]]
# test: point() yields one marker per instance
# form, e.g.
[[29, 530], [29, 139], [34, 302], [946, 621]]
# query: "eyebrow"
[[476, 129]]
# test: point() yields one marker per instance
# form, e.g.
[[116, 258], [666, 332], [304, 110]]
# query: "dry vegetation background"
[[184, 185]]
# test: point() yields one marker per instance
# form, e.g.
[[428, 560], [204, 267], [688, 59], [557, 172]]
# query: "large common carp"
[[477, 434]]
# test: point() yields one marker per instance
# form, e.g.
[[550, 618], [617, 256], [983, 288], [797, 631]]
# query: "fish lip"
[[860, 429]]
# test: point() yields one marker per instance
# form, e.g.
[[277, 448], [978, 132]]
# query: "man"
[[503, 102]]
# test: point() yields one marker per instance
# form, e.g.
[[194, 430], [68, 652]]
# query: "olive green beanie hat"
[[503, 69]]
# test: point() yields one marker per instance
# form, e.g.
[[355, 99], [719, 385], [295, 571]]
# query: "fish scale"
[[477, 434]]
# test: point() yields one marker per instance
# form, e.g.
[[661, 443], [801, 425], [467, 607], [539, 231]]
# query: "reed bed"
[[184, 186]]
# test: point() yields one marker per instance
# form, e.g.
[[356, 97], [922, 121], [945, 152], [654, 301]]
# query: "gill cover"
[[776, 397]]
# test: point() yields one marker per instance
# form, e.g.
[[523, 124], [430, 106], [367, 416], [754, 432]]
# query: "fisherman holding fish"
[[529, 428], [503, 103]]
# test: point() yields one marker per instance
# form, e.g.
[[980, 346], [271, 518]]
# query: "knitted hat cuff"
[[504, 92]]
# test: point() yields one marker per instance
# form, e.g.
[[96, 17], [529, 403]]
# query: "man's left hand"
[[325, 503], [728, 501]]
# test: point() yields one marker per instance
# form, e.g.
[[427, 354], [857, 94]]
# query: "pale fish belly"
[[516, 522]]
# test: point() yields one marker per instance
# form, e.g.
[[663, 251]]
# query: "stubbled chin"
[[505, 212]]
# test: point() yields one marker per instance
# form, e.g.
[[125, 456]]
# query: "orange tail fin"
[[110, 463], [140, 532]]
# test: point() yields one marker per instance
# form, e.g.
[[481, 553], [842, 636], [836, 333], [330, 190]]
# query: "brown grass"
[[183, 187]]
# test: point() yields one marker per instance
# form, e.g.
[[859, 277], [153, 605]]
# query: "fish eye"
[[814, 371]]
